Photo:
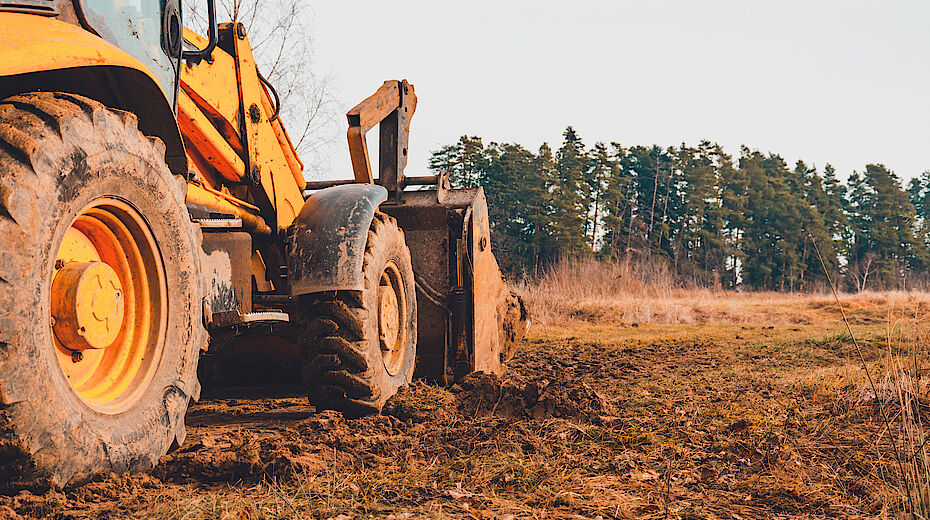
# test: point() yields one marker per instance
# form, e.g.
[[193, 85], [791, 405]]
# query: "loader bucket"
[[468, 320]]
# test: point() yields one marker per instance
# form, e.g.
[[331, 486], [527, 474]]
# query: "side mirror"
[[171, 30], [206, 54]]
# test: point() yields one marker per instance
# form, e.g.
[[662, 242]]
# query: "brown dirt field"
[[682, 421]]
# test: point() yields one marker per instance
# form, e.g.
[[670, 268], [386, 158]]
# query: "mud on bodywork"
[[226, 268], [468, 318], [327, 240]]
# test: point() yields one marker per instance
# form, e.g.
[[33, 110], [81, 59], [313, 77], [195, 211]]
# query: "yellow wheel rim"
[[108, 305], [392, 318]]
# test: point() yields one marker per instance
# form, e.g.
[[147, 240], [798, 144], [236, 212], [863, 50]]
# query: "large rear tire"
[[359, 348], [93, 378]]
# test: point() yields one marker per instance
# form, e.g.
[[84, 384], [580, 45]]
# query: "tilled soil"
[[668, 422]]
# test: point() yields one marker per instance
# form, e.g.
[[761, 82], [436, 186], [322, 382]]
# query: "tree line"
[[753, 221]]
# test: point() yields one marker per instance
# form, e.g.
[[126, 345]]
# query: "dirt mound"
[[532, 398], [240, 456], [421, 402], [509, 397]]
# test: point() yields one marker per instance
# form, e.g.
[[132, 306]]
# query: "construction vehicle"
[[151, 199]]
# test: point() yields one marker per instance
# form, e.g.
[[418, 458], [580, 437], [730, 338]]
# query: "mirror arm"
[[206, 54]]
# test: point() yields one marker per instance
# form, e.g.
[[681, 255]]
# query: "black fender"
[[326, 247]]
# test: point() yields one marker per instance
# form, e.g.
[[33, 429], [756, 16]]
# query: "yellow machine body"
[[61, 46], [225, 115], [246, 186], [41, 53]]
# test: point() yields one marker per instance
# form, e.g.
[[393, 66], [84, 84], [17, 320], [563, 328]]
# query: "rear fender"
[[327, 240]]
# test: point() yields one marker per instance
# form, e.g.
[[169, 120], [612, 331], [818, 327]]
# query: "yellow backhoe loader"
[[152, 208]]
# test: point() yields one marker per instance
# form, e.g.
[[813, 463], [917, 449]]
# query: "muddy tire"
[[66, 159], [357, 352]]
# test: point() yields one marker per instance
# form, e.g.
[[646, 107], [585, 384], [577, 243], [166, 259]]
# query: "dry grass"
[[892, 389], [645, 292], [716, 406]]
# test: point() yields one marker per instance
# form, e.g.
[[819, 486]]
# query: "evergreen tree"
[[508, 180], [834, 214], [700, 247], [540, 199], [603, 169], [883, 247], [571, 195], [465, 161], [733, 213], [618, 200], [815, 214]]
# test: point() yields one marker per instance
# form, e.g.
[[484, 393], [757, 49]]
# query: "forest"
[[749, 222]]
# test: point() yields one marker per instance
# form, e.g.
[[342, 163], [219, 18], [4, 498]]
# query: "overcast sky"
[[845, 82]]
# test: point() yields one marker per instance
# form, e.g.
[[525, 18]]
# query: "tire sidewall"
[[68, 439]]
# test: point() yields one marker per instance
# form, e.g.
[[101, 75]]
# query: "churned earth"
[[593, 420]]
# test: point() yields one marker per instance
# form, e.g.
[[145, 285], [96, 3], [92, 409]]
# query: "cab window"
[[136, 27]]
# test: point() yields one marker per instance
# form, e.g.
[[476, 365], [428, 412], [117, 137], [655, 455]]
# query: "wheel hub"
[[392, 318], [389, 315], [87, 304], [108, 305]]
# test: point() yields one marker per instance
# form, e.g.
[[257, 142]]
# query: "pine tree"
[[732, 189], [816, 213], [919, 193], [617, 203], [699, 248], [652, 169], [604, 167], [570, 196], [541, 197], [465, 161], [882, 218], [508, 179], [759, 243], [834, 214]]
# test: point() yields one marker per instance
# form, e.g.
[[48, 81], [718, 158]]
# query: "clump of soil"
[[240, 455], [509, 397], [421, 402], [532, 398]]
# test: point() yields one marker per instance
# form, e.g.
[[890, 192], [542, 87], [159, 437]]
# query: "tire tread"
[[29, 125], [336, 369]]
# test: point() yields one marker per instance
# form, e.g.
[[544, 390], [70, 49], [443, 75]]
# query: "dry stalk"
[[910, 428]]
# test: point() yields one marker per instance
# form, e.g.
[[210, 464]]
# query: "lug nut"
[[76, 356]]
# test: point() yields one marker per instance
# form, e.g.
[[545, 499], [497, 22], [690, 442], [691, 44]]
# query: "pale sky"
[[845, 82]]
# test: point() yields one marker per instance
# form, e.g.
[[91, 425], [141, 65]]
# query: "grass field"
[[664, 404]]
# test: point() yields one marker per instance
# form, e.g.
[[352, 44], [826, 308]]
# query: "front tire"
[[359, 348], [92, 380]]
